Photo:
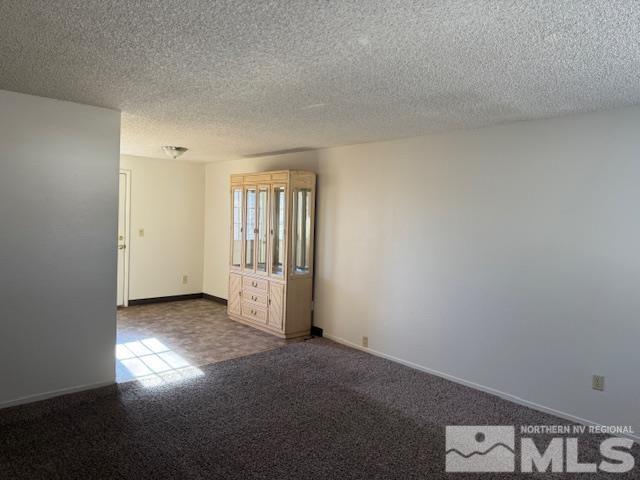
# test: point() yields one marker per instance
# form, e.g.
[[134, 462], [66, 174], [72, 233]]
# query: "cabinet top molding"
[[298, 177]]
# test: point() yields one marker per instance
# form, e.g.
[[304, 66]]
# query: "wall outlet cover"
[[598, 382], [365, 341]]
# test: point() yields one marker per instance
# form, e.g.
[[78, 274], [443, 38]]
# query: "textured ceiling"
[[232, 78]]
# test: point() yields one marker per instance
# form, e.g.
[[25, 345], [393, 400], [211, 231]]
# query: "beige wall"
[[506, 257], [216, 252], [167, 201], [58, 211]]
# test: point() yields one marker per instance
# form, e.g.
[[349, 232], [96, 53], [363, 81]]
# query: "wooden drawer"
[[254, 312], [255, 296], [255, 283]]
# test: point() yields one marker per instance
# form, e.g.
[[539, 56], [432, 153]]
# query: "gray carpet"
[[312, 410]]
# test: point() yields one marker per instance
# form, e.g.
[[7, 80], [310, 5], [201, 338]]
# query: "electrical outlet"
[[185, 279], [598, 382], [365, 341]]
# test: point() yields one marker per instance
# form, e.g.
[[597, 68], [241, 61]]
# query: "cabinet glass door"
[[250, 230], [301, 230], [261, 264], [236, 228], [278, 224]]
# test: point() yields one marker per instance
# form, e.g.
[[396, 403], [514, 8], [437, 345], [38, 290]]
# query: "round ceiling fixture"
[[174, 152]]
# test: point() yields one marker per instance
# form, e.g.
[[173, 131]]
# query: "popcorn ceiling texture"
[[232, 78]]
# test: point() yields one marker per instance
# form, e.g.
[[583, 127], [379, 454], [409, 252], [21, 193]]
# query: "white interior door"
[[123, 240]]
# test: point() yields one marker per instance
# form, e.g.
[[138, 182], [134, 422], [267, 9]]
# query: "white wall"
[[217, 210], [508, 257], [504, 257], [58, 210], [167, 202]]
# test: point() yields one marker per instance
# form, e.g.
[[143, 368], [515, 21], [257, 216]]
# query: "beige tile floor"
[[166, 338]]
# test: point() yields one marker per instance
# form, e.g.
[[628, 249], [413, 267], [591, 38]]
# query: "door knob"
[[121, 247]]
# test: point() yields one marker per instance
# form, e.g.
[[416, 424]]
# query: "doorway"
[[124, 214]]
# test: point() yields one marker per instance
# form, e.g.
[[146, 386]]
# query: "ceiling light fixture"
[[174, 152]]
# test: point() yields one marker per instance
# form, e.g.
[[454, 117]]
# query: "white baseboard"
[[476, 386], [52, 394]]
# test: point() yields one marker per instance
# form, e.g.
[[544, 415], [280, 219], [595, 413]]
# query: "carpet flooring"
[[309, 410]]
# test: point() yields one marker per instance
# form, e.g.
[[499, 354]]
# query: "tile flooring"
[[163, 342]]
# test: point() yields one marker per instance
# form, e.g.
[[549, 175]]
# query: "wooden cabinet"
[[271, 251]]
